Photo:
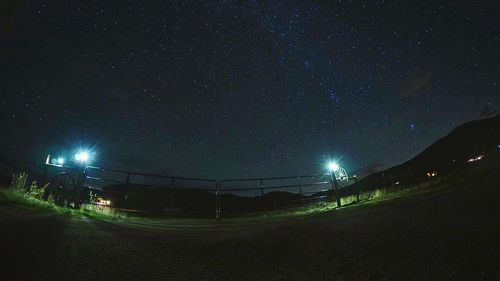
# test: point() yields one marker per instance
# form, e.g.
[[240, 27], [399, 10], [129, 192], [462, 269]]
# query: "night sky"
[[243, 88]]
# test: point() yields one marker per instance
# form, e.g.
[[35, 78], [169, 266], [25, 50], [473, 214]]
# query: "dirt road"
[[451, 234]]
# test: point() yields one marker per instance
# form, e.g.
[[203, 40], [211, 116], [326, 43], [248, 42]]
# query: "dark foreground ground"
[[450, 234]]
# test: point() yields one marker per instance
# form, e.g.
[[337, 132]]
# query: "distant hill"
[[195, 202], [469, 140]]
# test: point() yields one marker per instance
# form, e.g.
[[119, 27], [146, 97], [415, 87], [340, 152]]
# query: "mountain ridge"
[[450, 152]]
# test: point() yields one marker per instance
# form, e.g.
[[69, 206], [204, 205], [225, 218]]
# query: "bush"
[[18, 182], [36, 191]]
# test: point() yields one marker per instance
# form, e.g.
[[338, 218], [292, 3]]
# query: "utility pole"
[[335, 187]]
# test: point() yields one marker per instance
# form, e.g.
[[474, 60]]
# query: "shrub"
[[18, 182], [37, 192]]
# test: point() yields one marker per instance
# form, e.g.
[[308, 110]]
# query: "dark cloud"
[[414, 86]]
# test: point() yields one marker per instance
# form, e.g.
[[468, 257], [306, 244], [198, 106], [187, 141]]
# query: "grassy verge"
[[367, 197], [30, 196]]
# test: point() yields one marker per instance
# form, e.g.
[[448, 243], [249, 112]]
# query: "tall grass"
[[32, 196], [20, 191]]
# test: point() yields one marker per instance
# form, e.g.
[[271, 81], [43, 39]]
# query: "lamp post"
[[82, 158], [332, 168]]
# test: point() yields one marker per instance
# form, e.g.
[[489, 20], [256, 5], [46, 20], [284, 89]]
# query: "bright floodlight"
[[60, 160], [333, 167], [82, 156]]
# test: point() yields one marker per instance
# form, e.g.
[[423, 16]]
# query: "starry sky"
[[224, 89]]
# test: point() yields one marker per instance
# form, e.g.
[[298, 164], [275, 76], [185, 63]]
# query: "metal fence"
[[199, 197], [247, 195]]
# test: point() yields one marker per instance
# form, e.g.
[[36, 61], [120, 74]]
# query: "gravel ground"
[[450, 234]]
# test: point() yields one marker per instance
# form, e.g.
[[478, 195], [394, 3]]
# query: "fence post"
[[82, 176], [300, 188], [358, 191], [335, 188], [218, 203], [45, 171], [261, 188], [172, 182], [337, 192], [128, 178], [300, 185], [45, 177]]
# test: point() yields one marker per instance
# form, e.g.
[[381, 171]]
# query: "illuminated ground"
[[450, 234]]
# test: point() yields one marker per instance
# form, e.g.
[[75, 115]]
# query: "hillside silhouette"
[[479, 138]]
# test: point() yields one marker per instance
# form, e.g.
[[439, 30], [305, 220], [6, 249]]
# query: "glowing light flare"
[[82, 156], [60, 161], [333, 167]]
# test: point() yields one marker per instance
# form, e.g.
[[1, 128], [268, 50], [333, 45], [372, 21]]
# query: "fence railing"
[[186, 196], [258, 193]]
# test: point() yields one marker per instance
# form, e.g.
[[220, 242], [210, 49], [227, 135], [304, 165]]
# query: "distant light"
[[333, 167], [103, 202], [432, 174], [60, 161], [498, 146], [82, 156], [475, 159]]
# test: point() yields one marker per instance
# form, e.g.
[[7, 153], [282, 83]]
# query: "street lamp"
[[333, 166], [82, 156]]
